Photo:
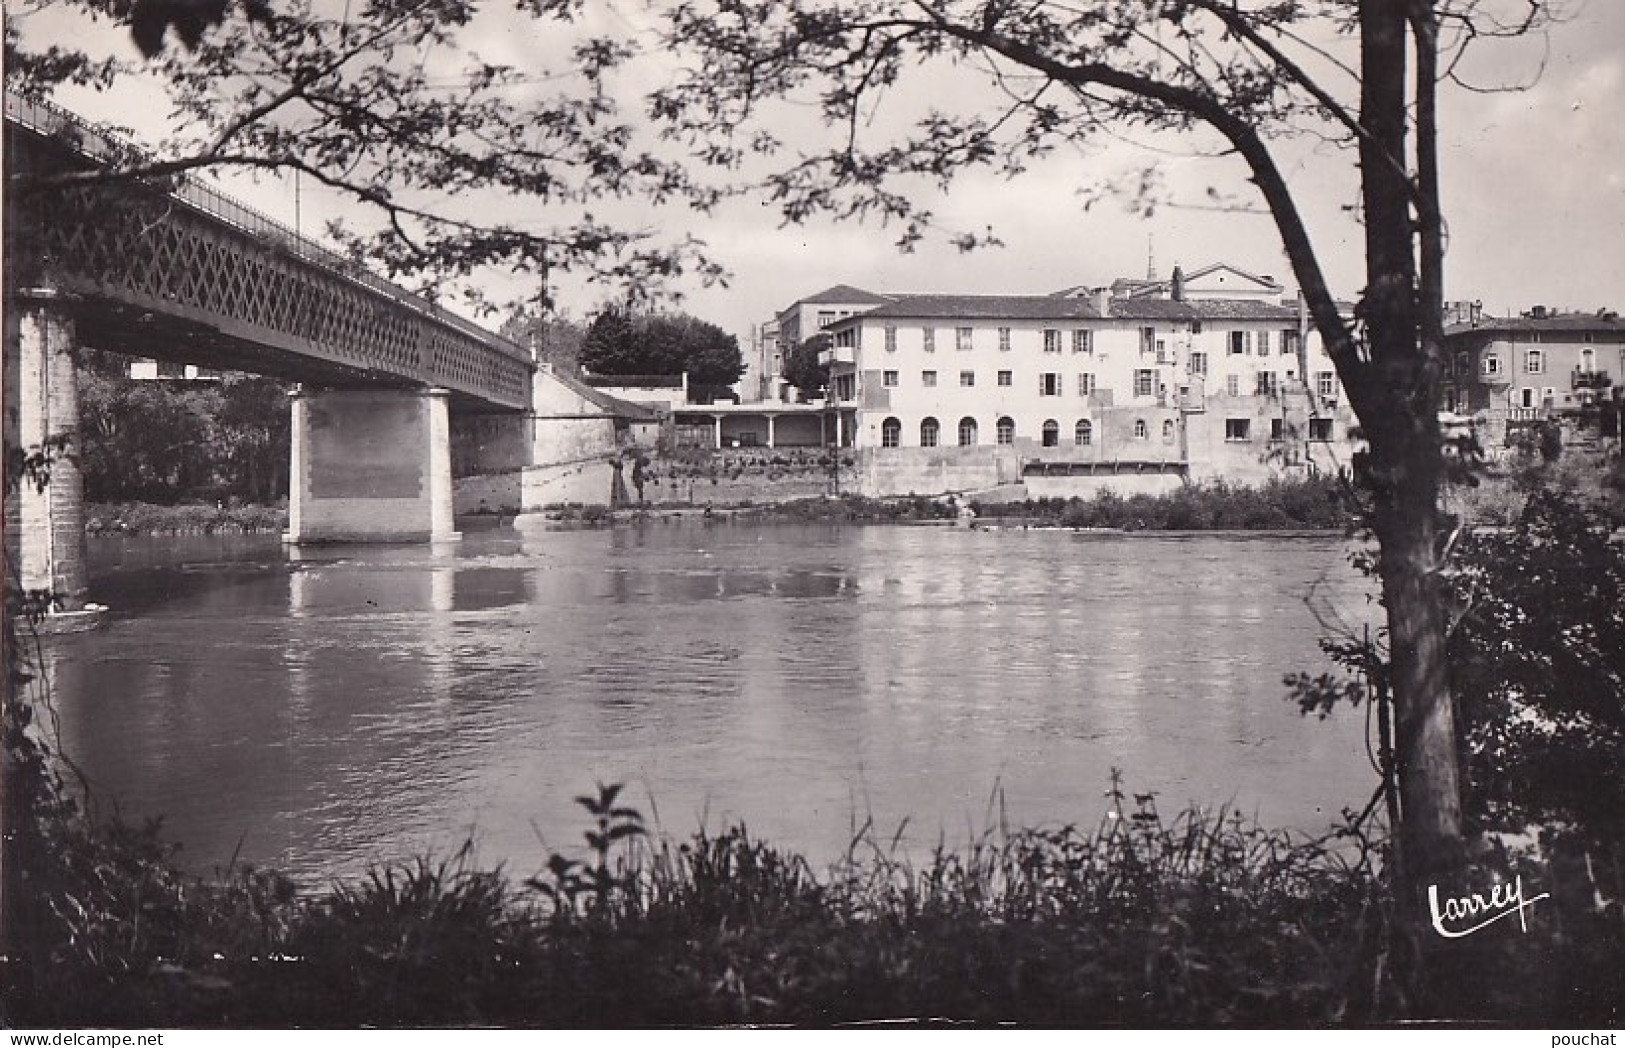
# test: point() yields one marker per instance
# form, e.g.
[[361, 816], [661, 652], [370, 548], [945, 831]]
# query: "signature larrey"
[[1504, 900]]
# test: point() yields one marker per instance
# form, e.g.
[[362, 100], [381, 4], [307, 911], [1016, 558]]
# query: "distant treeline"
[[171, 440]]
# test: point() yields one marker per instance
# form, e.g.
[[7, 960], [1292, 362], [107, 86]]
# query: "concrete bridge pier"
[[45, 530], [370, 466]]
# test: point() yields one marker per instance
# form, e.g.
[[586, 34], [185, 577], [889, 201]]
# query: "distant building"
[[808, 316], [147, 370], [763, 364], [1198, 378], [1513, 372]]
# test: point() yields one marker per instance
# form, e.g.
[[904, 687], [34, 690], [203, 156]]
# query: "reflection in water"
[[332, 707]]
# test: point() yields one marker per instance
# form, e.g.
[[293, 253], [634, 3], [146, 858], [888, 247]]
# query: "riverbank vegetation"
[[169, 441], [1310, 503], [1140, 920], [186, 518]]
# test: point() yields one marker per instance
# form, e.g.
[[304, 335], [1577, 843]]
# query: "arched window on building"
[[929, 431], [891, 433], [1084, 433], [1007, 430], [1140, 432], [1167, 431], [1052, 433], [967, 432]]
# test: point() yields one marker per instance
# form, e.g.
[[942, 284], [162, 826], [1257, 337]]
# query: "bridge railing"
[[51, 121]]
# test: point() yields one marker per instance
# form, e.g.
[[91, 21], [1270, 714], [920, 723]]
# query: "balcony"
[[1591, 380], [1527, 414], [838, 355]]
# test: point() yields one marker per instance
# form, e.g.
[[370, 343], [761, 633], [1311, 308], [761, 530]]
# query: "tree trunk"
[[1406, 524], [1404, 466]]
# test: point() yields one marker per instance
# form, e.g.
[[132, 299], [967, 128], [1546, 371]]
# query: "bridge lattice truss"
[[259, 283]]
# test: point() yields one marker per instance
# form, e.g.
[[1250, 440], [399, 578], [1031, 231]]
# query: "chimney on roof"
[[1103, 301], [1178, 291]]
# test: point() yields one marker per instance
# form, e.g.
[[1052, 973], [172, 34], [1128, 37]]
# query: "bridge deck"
[[185, 273]]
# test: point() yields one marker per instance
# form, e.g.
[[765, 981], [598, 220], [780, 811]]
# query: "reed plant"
[[1141, 920]]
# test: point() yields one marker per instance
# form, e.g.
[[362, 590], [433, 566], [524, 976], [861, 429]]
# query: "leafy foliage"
[[383, 104], [1538, 656], [554, 340], [802, 369], [160, 441], [1318, 502], [1537, 662], [657, 344]]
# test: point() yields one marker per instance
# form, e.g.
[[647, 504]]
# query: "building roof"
[[1141, 287], [612, 405], [1601, 321], [844, 294], [1201, 309], [1267, 284], [1053, 307], [985, 307]]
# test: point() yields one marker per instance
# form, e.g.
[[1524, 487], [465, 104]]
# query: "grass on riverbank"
[[1201, 919], [187, 518]]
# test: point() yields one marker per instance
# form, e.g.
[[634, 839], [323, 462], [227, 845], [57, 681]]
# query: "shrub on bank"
[[187, 518], [859, 509], [1314, 503]]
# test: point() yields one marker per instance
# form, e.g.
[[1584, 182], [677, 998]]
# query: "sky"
[[1534, 191]]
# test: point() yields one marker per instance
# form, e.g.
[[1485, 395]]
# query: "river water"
[[362, 705]]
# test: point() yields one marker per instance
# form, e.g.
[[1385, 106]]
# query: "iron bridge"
[[180, 272]]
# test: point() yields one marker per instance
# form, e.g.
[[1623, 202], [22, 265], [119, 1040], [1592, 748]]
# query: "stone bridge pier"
[[45, 530], [370, 466]]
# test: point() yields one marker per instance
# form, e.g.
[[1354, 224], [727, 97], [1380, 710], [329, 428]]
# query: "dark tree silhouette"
[[801, 367], [661, 345]]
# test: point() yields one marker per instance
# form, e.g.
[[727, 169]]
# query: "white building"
[[805, 318], [1163, 383]]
